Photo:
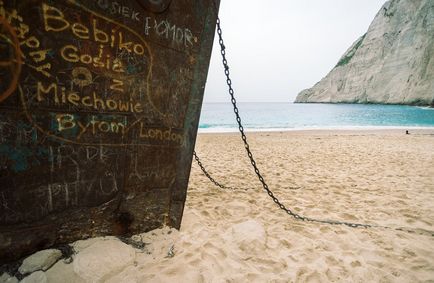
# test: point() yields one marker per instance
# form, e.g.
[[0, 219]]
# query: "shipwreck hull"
[[99, 108]]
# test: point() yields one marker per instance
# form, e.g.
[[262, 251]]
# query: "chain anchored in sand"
[[221, 186], [258, 173]]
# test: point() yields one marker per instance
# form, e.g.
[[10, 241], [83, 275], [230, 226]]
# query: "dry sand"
[[373, 177]]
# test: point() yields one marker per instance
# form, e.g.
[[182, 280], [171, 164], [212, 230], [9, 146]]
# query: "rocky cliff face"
[[393, 63]]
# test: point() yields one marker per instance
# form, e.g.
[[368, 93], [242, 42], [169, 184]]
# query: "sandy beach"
[[373, 177]]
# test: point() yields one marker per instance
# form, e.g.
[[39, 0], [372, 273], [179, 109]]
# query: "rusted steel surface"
[[99, 107]]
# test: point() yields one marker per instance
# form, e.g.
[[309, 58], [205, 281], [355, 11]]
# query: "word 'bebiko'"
[[55, 21]]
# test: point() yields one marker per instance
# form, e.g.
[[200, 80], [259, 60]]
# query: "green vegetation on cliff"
[[347, 57]]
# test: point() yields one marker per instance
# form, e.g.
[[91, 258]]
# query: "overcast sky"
[[277, 48]]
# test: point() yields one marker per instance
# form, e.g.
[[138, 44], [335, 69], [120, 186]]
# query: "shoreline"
[[318, 129]]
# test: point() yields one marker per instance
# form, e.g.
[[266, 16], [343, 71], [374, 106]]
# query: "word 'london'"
[[69, 122]]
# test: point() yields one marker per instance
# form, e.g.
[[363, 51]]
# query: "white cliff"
[[393, 63]]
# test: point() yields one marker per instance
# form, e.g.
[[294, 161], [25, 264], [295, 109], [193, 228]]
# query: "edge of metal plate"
[[132, 207]]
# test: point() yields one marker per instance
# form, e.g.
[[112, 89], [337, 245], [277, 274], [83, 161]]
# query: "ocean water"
[[219, 117]]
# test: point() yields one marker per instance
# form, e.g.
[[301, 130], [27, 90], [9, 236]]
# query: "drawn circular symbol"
[[81, 76], [10, 60]]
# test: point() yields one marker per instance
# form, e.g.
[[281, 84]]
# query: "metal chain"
[[250, 155], [205, 172], [208, 175], [258, 173]]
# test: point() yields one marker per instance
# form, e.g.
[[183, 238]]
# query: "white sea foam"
[[259, 117], [325, 128]]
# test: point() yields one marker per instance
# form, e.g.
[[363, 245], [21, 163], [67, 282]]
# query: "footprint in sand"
[[356, 263], [216, 251], [331, 260]]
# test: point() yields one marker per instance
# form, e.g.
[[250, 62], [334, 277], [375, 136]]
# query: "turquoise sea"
[[219, 117]]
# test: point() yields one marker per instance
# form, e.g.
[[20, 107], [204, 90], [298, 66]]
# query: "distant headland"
[[392, 63]]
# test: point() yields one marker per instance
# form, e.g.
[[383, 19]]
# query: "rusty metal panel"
[[99, 107]]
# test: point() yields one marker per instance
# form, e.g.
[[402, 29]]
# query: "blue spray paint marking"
[[51, 54], [27, 128], [131, 69], [71, 133], [18, 155], [22, 157]]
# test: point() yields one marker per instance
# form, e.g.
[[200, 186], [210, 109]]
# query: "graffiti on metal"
[[99, 105]]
